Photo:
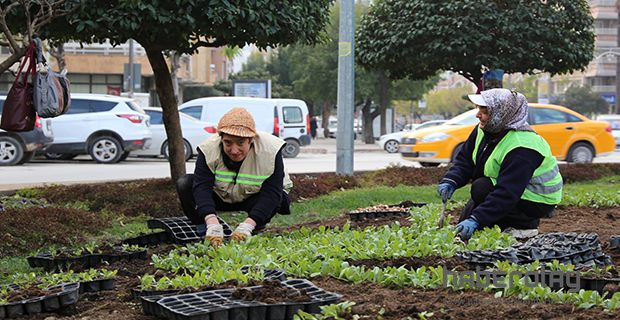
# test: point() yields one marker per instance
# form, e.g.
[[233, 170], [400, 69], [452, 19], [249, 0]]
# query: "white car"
[[194, 133], [391, 142], [614, 122], [106, 127]]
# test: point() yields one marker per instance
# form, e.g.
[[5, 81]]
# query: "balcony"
[[602, 3], [606, 31], [603, 88]]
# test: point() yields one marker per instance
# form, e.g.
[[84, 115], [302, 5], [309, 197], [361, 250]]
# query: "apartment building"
[[102, 68]]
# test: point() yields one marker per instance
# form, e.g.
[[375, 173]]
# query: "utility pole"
[[346, 88], [130, 82]]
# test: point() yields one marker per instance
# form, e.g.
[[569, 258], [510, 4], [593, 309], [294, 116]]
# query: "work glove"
[[215, 234], [243, 231], [445, 190], [466, 228]]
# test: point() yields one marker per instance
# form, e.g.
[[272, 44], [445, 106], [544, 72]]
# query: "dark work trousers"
[[186, 195], [525, 215]]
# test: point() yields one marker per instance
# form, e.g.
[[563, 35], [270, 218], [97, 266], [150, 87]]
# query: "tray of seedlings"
[[273, 300], [16, 301], [383, 211], [88, 256], [151, 289], [182, 230]]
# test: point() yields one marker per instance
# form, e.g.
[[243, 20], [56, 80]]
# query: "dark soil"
[[271, 292], [29, 293]]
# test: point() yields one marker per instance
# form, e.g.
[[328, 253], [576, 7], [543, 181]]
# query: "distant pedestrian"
[[313, 127]]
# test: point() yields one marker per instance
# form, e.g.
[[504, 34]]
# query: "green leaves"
[[417, 38]]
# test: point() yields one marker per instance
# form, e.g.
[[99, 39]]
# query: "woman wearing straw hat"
[[238, 170]]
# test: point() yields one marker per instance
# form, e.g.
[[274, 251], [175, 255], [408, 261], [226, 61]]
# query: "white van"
[[284, 118], [614, 122]]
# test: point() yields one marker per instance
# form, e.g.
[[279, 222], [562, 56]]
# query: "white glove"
[[243, 231], [215, 234]]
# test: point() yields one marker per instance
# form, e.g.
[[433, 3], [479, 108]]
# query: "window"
[[546, 116], [572, 118], [195, 111], [78, 106], [292, 115], [1, 106], [102, 106], [85, 106], [156, 117]]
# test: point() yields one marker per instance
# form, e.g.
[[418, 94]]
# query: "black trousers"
[[525, 215], [186, 196]]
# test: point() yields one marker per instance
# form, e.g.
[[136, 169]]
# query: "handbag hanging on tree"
[[18, 113], [51, 90]]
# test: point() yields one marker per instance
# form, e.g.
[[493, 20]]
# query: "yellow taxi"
[[572, 136]]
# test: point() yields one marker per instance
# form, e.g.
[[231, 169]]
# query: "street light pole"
[[346, 89]]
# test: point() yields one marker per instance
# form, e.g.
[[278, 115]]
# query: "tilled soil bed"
[[370, 298]]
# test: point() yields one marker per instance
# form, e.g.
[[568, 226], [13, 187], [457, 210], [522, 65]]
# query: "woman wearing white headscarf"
[[515, 178]]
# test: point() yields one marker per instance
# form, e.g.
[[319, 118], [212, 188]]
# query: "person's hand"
[[243, 231], [445, 191], [466, 228], [215, 234]]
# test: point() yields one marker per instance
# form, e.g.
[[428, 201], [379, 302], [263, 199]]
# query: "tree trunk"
[[59, 54], [12, 59], [165, 92], [325, 117], [384, 84], [367, 122]]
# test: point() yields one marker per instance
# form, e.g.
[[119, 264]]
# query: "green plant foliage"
[[597, 194], [416, 38]]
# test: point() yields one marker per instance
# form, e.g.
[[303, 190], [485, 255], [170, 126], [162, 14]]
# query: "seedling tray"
[[55, 263], [614, 242], [385, 212], [181, 230], [273, 274], [220, 305], [582, 250], [150, 239], [97, 285], [68, 295]]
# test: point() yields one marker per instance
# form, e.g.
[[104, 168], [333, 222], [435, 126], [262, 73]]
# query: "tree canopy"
[[184, 26], [417, 38], [583, 100]]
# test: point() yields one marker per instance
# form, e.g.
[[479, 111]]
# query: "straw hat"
[[237, 122]]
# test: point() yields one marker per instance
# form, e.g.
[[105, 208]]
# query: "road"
[[320, 157]]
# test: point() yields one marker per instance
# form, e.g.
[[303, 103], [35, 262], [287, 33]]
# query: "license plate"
[[405, 149]]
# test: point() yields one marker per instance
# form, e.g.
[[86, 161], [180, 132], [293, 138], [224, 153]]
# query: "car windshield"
[[465, 118]]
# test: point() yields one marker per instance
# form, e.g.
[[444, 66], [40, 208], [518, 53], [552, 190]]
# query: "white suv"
[[104, 126]]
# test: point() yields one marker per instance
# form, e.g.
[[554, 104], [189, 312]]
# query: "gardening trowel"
[[443, 212]]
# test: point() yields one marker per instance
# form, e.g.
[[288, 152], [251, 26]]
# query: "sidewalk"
[[328, 145]]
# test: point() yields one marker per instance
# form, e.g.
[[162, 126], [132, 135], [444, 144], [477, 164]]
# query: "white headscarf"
[[507, 110]]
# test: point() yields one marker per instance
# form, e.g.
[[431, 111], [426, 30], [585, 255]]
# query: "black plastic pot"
[[150, 239], [614, 242], [67, 295]]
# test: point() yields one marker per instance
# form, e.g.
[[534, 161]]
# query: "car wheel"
[[27, 157], [580, 152], [187, 149], [391, 146], [124, 156], [429, 164], [106, 149], [59, 156], [11, 151], [291, 149]]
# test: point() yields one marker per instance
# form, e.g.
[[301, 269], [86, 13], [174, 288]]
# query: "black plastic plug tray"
[[150, 239], [68, 295], [387, 213], [272, 274], [97, 285], [220, 305], [182, 230], [55, 263]]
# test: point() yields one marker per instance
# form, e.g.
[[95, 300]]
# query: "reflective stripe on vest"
[[242, 178], [537, 184]]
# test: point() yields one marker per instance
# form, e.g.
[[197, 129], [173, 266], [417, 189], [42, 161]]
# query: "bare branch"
[[5, 28]]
